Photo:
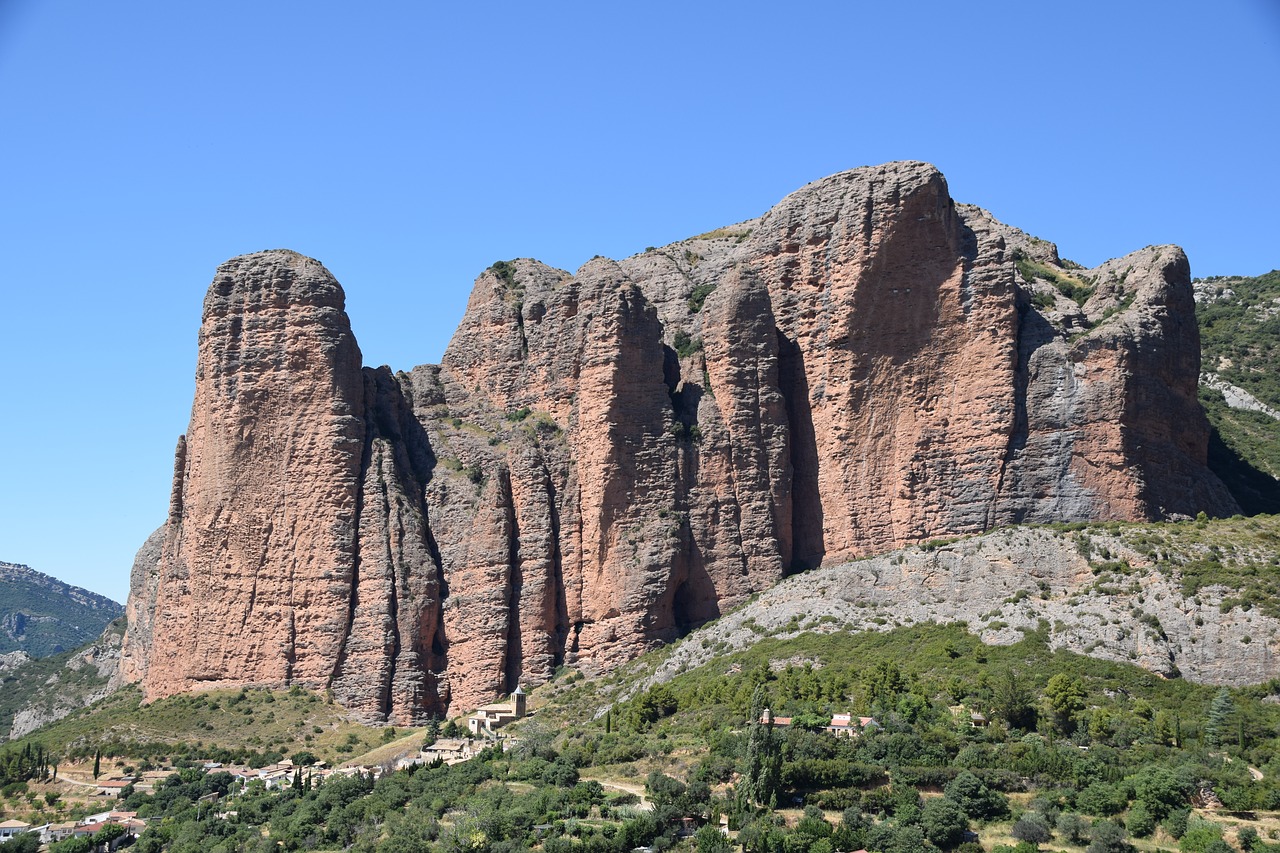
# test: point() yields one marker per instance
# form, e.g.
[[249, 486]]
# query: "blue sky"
[[408, 145]]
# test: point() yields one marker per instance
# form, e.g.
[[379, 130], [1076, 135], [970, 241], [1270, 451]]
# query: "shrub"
[[1140, 822], [1032, 827]]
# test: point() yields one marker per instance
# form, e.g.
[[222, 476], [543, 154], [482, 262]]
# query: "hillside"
[[1067, 748], [1240, 384], [1198, 600], [38, 691], [42, 616], [223, 725]]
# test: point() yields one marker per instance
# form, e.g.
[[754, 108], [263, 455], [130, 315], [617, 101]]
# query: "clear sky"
[[408, 145]]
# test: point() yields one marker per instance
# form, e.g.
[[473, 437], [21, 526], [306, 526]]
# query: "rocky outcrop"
[[1117, 594], [296, 550], [605, 460]]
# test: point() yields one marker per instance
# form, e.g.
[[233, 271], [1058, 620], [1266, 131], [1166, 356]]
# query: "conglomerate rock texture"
[[608, 459]]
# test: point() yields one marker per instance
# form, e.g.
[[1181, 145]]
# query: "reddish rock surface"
[[604, 460]]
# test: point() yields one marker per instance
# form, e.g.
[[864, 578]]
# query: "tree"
[[27, 842], [976, 799], [943, 822], [1011, 699], [1248, 838], [1102, 800], [761, 779], [1199, 835], [1176, 822], [709, 839], [1160, 790], [1065, 695], [97, 763], [1032, 827], [882, 684], [1073, 828], [1109, 837], [1140, 822], [1216, 722]]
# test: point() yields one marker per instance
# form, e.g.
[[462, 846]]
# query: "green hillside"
[[255, 726], [41, 615], [1076, 752], [1240, 340]]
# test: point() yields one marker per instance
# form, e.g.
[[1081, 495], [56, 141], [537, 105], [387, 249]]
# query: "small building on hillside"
[[58, 832], [449, 750], [13, 828], [487, 719], [844, 725], [767, 718], [847, 725], [112, 787]]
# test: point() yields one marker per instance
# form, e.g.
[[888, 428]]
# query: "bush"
[[943, 822], [1101, 800], [1032, 827], [1109, 837], [1176, 822], [1073, 828], [976, 799], [1140, 822], [1199, 835]]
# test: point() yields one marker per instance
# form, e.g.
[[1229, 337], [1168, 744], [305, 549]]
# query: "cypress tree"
[[1219, 710], [764, 756], [97, 763]]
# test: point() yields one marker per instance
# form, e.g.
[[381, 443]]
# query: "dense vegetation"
[[1239, 333], [1075, 752]]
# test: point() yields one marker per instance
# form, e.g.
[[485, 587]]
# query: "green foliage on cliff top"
[[1068, 285], [1239, 335]]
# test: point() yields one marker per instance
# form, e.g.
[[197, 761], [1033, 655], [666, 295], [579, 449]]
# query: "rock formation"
[[1114, 594], [607, 459]]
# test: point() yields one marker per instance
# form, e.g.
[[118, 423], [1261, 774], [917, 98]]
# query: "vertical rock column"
[[254, 576]]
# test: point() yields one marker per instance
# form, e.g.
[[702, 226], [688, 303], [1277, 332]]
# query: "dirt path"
[[628, 787]]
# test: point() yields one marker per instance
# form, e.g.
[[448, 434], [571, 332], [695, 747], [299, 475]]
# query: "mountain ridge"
[[42, 615]]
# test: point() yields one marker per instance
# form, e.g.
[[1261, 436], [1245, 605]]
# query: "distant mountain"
[[1240, 384], [41, 615]]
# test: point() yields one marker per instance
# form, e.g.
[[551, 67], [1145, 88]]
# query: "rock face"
[[606, 460]]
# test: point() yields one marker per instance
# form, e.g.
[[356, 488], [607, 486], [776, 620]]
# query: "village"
[[109, 829]]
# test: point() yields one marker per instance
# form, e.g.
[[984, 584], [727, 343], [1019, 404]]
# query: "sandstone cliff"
[[607, 459]]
